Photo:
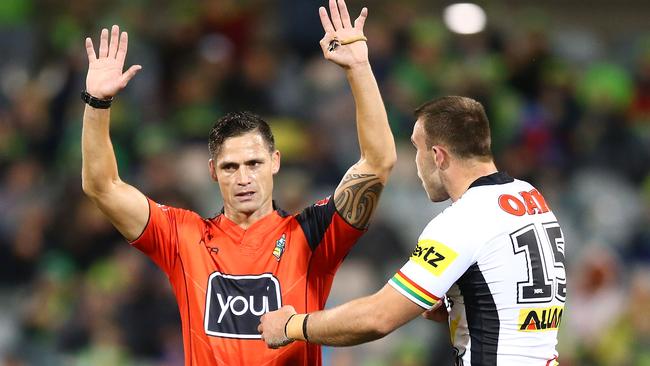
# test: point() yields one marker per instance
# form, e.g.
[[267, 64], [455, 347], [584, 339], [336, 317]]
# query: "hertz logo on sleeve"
[[433, 256]]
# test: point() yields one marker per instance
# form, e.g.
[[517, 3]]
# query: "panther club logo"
[[234, 304]]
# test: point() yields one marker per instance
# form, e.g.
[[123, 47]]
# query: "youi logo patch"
[[234, 304]]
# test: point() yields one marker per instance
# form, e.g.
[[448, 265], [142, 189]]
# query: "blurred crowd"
[[569, 112]]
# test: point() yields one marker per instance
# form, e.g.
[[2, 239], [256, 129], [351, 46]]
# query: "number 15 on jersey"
[[544, 256]]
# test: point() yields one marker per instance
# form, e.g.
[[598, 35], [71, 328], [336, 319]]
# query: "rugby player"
[[496, 254]]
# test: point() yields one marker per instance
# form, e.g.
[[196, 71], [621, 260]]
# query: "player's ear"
[[213, 169], [275, 162], [440, 156], [435, 153]]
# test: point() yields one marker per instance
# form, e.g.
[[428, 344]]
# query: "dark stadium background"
[[565, 84]]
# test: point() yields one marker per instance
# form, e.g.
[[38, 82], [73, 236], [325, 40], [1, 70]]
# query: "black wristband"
[[285, 325], [304, 328], [96, 102]]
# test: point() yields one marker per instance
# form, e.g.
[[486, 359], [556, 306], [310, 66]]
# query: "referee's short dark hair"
[[235, 124], [459, 123]]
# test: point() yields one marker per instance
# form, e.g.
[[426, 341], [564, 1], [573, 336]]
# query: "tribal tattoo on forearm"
[[357, 198]]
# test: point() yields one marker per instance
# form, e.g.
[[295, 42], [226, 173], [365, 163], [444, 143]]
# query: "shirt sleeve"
[[329, 236], [440, 258], [159, 239]]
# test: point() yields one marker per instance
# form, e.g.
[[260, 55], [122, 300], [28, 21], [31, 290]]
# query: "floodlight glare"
[[464, 18]]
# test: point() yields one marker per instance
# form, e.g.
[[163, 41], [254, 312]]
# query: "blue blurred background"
[[566, 86]]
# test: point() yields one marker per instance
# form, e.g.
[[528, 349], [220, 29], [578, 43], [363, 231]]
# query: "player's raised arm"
[[124, 205], [357, 195]]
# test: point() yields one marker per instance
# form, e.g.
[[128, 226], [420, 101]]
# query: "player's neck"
[[246, 219], [465, 174]]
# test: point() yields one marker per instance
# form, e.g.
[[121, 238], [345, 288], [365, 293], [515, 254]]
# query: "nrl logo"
[[279, 247]]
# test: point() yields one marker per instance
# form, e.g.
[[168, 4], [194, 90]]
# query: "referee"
[[253, 257]]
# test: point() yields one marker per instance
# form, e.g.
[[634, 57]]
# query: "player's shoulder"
[[450, 225], [483, 197], [476, 211], [516, 199]]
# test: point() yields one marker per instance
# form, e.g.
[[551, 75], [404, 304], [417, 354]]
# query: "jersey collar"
[[492, 179], [281, 212]]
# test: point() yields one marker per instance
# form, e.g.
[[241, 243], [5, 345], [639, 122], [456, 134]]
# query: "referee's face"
[[428, 172], [244, 170]]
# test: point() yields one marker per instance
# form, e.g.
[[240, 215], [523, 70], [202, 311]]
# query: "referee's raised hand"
[[105, 77], [343, 42]]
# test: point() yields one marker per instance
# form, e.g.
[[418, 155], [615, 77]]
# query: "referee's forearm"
[[99, 166], [375, 137]]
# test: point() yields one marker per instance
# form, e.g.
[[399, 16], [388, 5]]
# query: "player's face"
[[428, 171], [244, 169]]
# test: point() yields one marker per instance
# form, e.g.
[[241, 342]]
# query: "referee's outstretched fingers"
[[343, 42], [105, 76]]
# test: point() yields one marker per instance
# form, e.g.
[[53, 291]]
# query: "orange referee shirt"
[[224, 277]]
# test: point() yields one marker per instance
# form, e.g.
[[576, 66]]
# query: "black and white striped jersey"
[[497, 253]]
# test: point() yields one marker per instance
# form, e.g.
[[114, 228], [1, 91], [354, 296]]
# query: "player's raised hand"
[[272, 326], [343, 43], [105, 77]]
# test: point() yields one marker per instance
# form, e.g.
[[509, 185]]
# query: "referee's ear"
[[213, 170], [275, 162]]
